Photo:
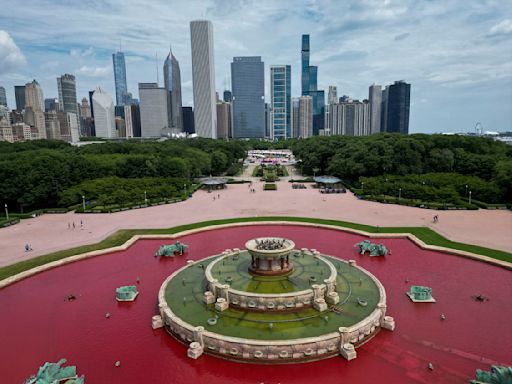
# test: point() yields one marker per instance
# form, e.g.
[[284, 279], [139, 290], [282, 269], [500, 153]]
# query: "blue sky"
[[457, 54]]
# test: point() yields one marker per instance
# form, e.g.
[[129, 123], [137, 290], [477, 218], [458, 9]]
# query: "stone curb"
[[132, 240]]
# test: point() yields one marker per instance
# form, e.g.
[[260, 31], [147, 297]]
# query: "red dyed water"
[[38, 324]]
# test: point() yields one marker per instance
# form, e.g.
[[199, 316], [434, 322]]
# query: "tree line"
[[46, 173]]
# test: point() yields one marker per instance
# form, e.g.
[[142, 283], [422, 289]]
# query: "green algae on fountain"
[[273, 304]]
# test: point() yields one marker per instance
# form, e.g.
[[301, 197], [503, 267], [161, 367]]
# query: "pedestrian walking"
[[69, 225], [73, 225]]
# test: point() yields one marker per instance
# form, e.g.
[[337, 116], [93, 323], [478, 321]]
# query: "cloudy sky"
[[457, 54]]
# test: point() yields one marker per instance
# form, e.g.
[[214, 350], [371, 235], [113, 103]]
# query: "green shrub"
[[270, 187]]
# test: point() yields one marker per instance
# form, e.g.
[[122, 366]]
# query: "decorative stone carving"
[[156, 322], [388, 323], [320, 304], [333, 298], [348, 351], [209, 298], [194, 350], [221, 304]]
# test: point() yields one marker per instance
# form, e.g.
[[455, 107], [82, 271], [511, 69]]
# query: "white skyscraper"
[[203, 78], [375, 99], [104, 118]]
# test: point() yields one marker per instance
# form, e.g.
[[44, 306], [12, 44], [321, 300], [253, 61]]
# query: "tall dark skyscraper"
[[305, 65], [19, 94], [172, 83], [120, 78], [188, 120], [309, 84], [398, 98], [248, 83]]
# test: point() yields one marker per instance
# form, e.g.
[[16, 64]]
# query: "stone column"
[[224, 288], [198, 335]]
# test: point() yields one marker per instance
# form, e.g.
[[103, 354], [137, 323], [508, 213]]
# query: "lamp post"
[[362, 187], [83, 201], [185, 189], [466, 193], [469, 197], [399, 193], [6, 212], [145, 198]]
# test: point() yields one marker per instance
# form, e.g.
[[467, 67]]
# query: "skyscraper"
[[86, 108], [188, 120], [153, 110], [305, 116], [349, 117], [248, 86], [310, 87], [398, 105], [281, 101], [375, 99], [332, 97], [305, 64], [34, 96], [172, 83], [19, 94], [203, 78], [66, 85], [228, 97], [51, 104], [223, 120], [120, 78], [3, 97], [104, 118], [295, 117]]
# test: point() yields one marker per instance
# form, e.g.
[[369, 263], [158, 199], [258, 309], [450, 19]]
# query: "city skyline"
[[457, 55]]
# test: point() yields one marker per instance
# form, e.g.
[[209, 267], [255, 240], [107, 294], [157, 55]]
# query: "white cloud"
[[81, 52], [11, 58], [95, 71], [502, 28]]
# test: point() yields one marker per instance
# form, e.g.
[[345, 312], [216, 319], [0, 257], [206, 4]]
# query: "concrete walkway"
[[49, 233]]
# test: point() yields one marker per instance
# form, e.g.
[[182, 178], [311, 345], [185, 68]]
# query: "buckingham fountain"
[[272, 303]]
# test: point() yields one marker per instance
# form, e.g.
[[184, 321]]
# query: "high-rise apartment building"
[[52, 125], [248, 87], [120, 78], [281, 101], [350, 117], [332, 97], [19, 94], [305, 125], [66, 85], [34, 96], [154, 117], [375, 99], [203, 78], [305, 65], [104, 116], [68, 125], [223, 120], [396, 101], [172, 83], [3, 97]]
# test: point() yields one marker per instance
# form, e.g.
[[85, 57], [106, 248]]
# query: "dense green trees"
[[445, 163], [45, 173]]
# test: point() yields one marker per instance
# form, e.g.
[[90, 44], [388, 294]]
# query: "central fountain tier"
[[258, 306], [270, 256]]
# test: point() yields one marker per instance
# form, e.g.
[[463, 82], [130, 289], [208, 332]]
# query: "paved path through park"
[[49, 233]]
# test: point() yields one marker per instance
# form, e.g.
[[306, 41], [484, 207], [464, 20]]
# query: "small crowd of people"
[[28, 247], [269, 244], [73, 226]]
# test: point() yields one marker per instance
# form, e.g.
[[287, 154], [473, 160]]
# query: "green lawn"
[[427, 235]]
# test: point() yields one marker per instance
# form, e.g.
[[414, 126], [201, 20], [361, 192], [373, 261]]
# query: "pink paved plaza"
[[49, 233]]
